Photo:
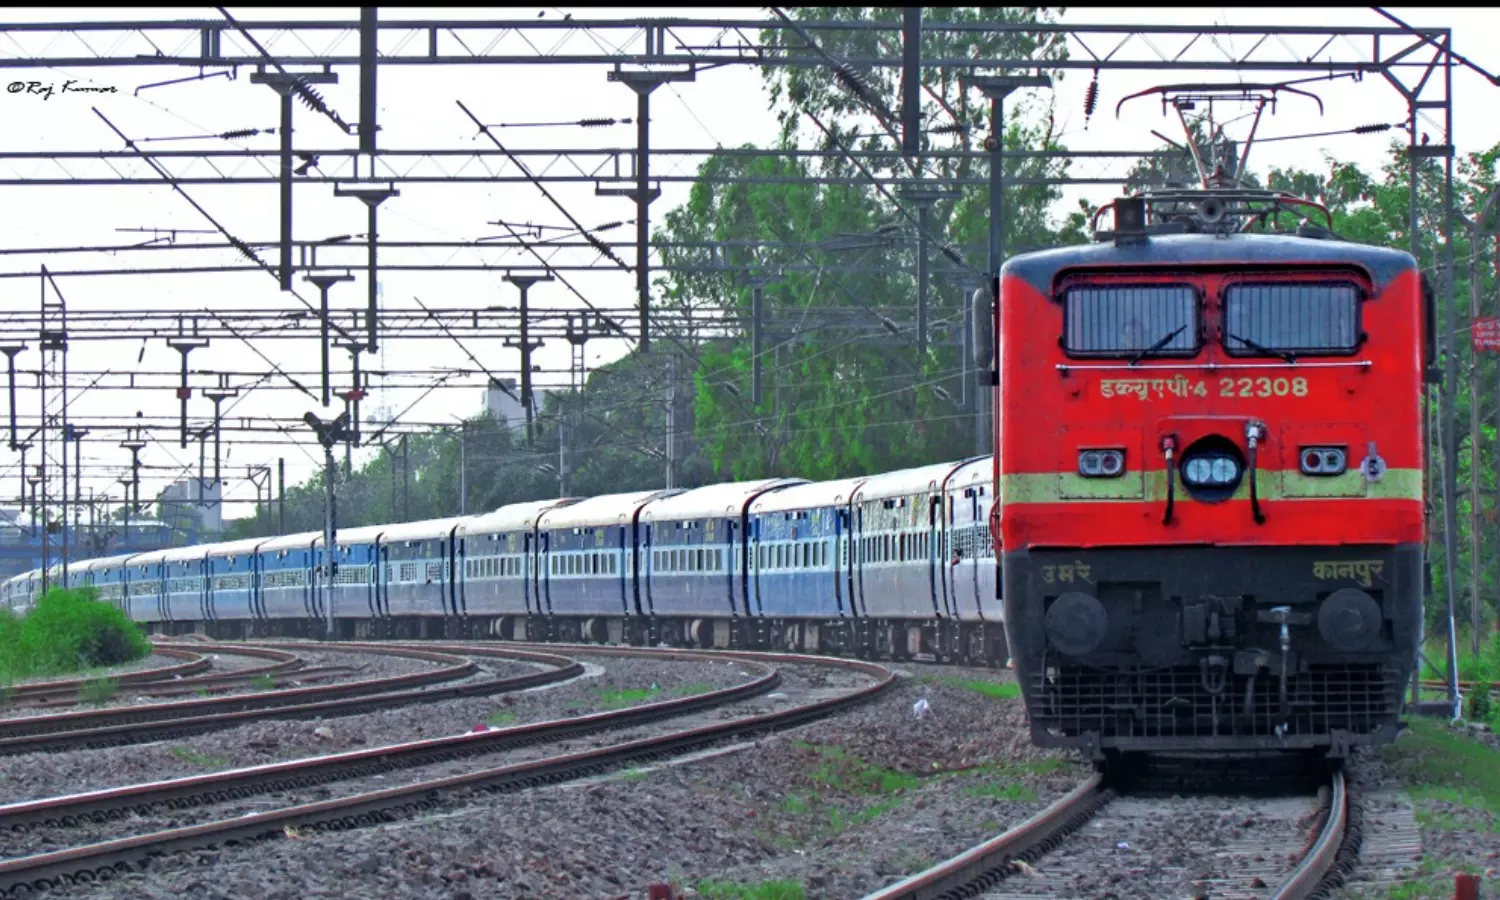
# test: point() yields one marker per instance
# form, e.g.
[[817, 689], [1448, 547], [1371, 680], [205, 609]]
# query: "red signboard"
[[1486, 334]]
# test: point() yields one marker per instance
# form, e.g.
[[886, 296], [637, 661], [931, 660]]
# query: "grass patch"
[[98, 691], [1001, 690], [635, 775], [1015, 793], [844, 772], [765, 890], [1440, 764], [616, 698], [263, 683], [501, 718], [68, 631], [838, 771], [189, 755]]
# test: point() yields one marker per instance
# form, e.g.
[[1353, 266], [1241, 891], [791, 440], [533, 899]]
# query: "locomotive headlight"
[[1101, 463], [1323, 460], [1210, 471]]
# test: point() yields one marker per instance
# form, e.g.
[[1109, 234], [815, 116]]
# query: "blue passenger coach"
[[499, 564], [800, 567], [587, 557], [419, 573], [356, 591], [693, 575], [233, 584], [888, 565], [286, 582]]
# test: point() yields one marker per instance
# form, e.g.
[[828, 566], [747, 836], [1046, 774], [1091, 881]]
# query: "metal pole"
[[330, 549], [463, 470], [524, 283], [671, 421], [924, 225], [281, 496], [1474, 567], [757, 336], [405, 480], [78, 434], [997, 88], [911, 80], [562, 457], [643, 211], [1450, 423], [1415, 240], [286, 191], [10, 351]]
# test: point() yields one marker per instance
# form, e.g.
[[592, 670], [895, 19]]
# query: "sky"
[[726, 106]]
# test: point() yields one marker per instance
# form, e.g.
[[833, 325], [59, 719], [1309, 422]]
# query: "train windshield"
[[1291, 318], [1131, 320]]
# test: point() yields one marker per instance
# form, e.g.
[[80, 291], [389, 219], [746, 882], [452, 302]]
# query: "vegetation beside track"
[[1454, 784], [68, 632]]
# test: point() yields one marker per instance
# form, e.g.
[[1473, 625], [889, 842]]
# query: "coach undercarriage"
[[969, 643]]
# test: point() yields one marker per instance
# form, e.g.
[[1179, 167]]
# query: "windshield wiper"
[[1165, 340], [1258, 348]]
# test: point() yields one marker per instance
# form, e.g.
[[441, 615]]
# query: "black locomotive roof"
[[1040, 269]]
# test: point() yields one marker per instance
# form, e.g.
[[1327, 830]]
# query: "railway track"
[[192, 676], [103, 860], [159, 721], [1301, 851], [66, 689]]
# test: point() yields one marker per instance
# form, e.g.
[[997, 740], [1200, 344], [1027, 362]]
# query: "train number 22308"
[[1179, 386], [1263, 387]]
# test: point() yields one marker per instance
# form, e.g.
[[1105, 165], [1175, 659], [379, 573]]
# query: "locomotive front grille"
[[1172, 702]]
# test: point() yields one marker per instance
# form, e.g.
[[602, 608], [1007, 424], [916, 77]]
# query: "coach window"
[[1130, 320], [1291, 319]]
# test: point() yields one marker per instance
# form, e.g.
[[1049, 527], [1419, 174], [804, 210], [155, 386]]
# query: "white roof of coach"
[[974, 472], [514, 517], [107, 562], [715, 501], [184, 554], [235, 548], [610, 509], [905, 483], [420, 531], [814, 495], [364, 534], [298, 541], [148, 559]]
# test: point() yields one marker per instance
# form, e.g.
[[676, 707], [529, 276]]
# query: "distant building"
[[502, 402], [193, 506]]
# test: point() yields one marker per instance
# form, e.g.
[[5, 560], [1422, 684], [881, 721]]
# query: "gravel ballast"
[[613, 682], [839, 807]]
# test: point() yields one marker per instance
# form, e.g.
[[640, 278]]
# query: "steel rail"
[[170, 681], [219, 787], [194, 663], [965, 874], [1319, 861], [115, 735], [217, 684], [104, 860], [452, 669]]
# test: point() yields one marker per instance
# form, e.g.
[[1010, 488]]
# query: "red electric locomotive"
[[1210, 470]]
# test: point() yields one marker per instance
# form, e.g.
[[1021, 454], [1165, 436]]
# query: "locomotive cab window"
[[1130, 320], [1291, 318]]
